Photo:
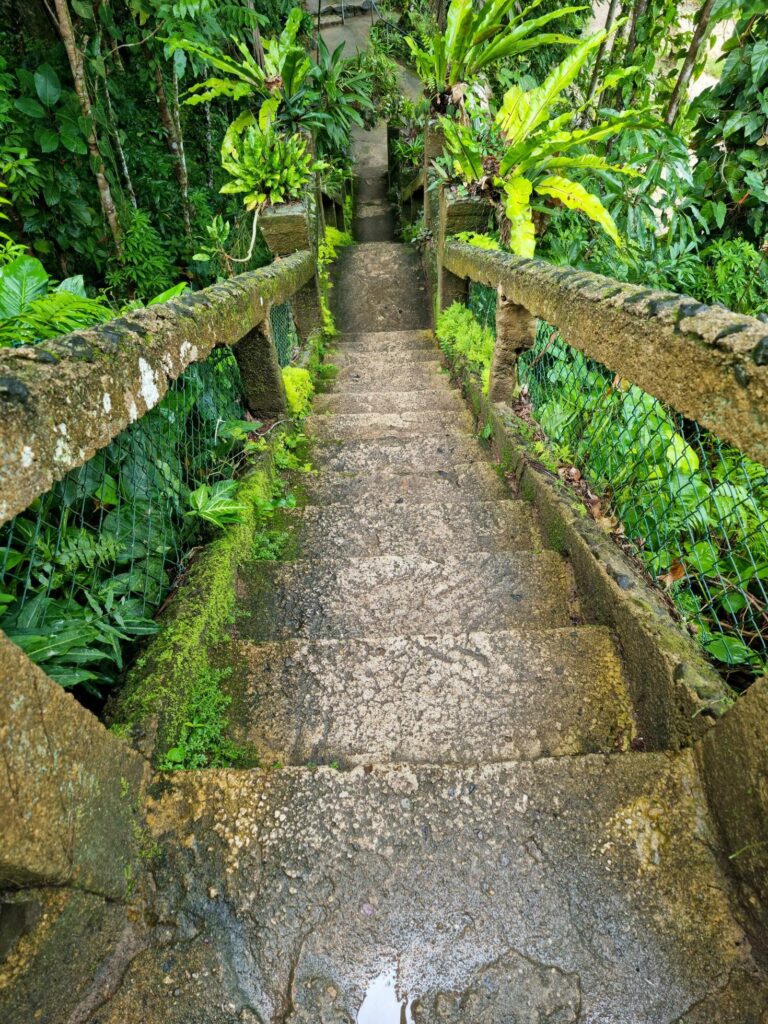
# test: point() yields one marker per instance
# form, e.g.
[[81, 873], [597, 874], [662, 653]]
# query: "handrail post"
[[515, 333], [263, 387], [455, 214], [287, 229]]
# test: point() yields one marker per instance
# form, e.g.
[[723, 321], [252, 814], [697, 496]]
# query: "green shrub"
[[298, 389], [459, 333]]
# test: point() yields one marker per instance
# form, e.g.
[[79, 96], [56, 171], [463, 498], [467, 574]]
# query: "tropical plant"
[[528, 147], [475, 38]]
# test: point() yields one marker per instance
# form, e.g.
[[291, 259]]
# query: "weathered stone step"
[[428, 454], [417, 699], [357, 357], [380, 287], [433, 530], [392, 595], [367, 426], [573, 889], [388, 402], [465, 482], [374, 221], [386, 341], [427, 375]]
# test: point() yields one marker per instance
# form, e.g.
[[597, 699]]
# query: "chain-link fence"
[[85, 567], [284, 333], [693, 509]]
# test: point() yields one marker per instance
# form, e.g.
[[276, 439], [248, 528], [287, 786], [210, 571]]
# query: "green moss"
[[298, 389], [202, 741], [160, 697]]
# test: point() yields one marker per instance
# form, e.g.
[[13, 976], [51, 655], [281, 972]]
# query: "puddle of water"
[[382, 1004]]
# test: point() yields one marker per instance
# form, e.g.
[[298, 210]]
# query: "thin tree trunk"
[[641, 6], [258, 49], [119, 148], [75, 58], [172, 142], [609, 20], [183, 171], [681, 86], [208, 145]]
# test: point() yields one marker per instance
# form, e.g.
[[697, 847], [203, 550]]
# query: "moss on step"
[[164, 688]]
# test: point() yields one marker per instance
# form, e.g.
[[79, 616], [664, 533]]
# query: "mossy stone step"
[[377, 361], [392, 595], [365, 426], [389, 402], [431, 529], [570, 889], [464, 482], [417, 699]]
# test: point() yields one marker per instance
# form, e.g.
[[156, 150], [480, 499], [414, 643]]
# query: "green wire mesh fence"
[[284, 333], [693, 509], [85, 567]]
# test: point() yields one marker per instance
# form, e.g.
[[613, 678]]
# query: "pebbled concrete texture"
[[473, 481], [383, 375], [459, 699], [386, 341], [391, 292], [388, 402], [392, 595], [427, 453], [363, 426], [579, 889], [432, 529]]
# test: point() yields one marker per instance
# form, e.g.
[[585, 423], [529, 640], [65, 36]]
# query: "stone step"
[[571, 889], [377, 375], [368, 426], [416, 699], [371, 185], [380, 286], [392, 595], [378, 362], [386, 341], [464, 482], [374, 221], [429, 454], [433, 530], [388, 402]]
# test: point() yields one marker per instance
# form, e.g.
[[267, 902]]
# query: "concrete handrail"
[[62, 400], [707, 363]]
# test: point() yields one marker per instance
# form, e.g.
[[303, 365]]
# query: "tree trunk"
[[258, 49], [609, 20], [175, 147], [75, 58], [121, 158], [681, 86], [641, 6], [208, 145]]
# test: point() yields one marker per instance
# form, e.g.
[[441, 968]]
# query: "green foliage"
[[32, 309], [479, 240], [475, 38], [528, 147], [730, 134], [298, 389], [146, 266], [216, 503], [202, 742], [459, 333], [266, 167], [695, 509]]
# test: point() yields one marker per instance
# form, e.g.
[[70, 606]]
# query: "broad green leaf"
[[47, 85], [21, 281], [522, 238], [30, 107], [681, 456], [759, 61], [573, 195], [47, 139]]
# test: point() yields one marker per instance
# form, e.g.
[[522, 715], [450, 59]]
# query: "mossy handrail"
[[62, 400], [707, 363]]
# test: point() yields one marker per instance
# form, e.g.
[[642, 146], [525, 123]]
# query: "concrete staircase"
[[459, 829]]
